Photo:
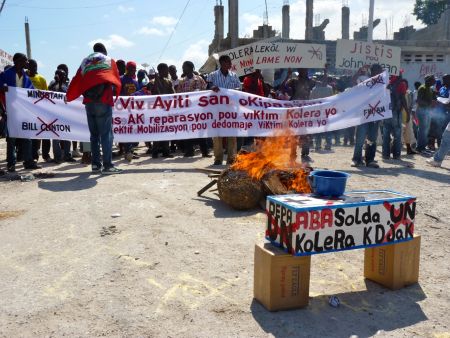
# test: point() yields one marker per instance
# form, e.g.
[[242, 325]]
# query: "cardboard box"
[[395, 265], [281, 281]]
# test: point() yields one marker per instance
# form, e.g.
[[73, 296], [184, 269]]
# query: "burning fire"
[[275, 153]]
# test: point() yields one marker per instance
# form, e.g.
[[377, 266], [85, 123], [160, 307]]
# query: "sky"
[[171, 31]]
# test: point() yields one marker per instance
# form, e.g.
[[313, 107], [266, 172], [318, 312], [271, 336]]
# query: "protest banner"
[[39, 114], [305, 224], [288, 55], [352, 54], [5, 59]]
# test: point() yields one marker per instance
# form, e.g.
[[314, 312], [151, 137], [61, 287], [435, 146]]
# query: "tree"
[[429, 11]]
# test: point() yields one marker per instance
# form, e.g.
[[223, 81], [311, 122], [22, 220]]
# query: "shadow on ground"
[[361, 313], [222, 210]]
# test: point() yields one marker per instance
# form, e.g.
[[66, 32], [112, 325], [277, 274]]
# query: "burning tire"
[[239, 190]]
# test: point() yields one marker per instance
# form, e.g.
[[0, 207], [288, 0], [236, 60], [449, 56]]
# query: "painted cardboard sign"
[[288, 55], [241, 59], [271, 55], [416, 71], [305, 224], [352, 54]]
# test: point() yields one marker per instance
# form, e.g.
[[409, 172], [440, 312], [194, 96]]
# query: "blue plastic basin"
[[328, 182]]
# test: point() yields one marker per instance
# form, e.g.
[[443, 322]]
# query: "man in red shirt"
[[94, 80]]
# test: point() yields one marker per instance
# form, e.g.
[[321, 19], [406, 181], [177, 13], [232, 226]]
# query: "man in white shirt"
[[223, 78]]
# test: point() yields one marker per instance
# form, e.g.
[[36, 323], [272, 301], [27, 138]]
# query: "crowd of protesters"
[[420, 122]]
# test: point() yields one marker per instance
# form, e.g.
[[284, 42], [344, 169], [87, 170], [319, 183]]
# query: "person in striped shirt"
[[224, 78], [191, 82]]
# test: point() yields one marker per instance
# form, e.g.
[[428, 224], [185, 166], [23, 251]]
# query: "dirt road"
[[177, 265]]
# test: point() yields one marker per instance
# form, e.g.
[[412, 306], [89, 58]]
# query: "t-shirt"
[[193, 84], [320, 91], [301, 88], [58, 87], [253, 86], [19, 81], [129, 85], [229, 81], [425, 96], [38, 82]]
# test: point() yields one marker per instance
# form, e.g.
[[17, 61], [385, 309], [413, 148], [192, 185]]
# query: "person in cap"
[[17, 77]]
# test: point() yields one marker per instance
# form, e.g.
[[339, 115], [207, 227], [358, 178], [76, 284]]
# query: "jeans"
[[370, 131], [25, 147], [99, 118], [445, 146], [349, 135], [392, 126], [424, 117], [57, 151], [305, 141], [318, 139]]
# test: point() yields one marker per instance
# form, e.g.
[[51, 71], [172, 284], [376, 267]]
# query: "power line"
[[65, 8], [174, 29]]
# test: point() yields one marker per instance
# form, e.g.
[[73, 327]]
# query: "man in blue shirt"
[[17, 77]]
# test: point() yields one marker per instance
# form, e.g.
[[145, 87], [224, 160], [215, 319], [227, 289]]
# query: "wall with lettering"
[[416, 71]]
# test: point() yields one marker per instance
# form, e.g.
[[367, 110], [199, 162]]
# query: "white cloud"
[[124, 9], [154, 31], [197, 53], [151, 31], [113, 41], [164, 20]]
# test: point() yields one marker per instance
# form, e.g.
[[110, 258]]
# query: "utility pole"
[[2, 5], [370, 26], [27, 38]]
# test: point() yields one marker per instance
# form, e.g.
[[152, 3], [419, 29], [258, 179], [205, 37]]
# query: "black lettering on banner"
[[391, 234], [339, 236], [379, 234], [339, 217], [410, 210], [409, 230], [328, 243], [366, 236], [396, 217], [299, 243]]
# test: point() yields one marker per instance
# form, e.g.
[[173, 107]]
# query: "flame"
[[271, 153]]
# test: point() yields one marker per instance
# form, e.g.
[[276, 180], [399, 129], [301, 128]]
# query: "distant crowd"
[[419, 123]]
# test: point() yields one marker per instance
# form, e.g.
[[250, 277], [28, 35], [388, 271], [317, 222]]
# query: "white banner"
[[352, 54], [272, 55], [5, 59], [44, 115]]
